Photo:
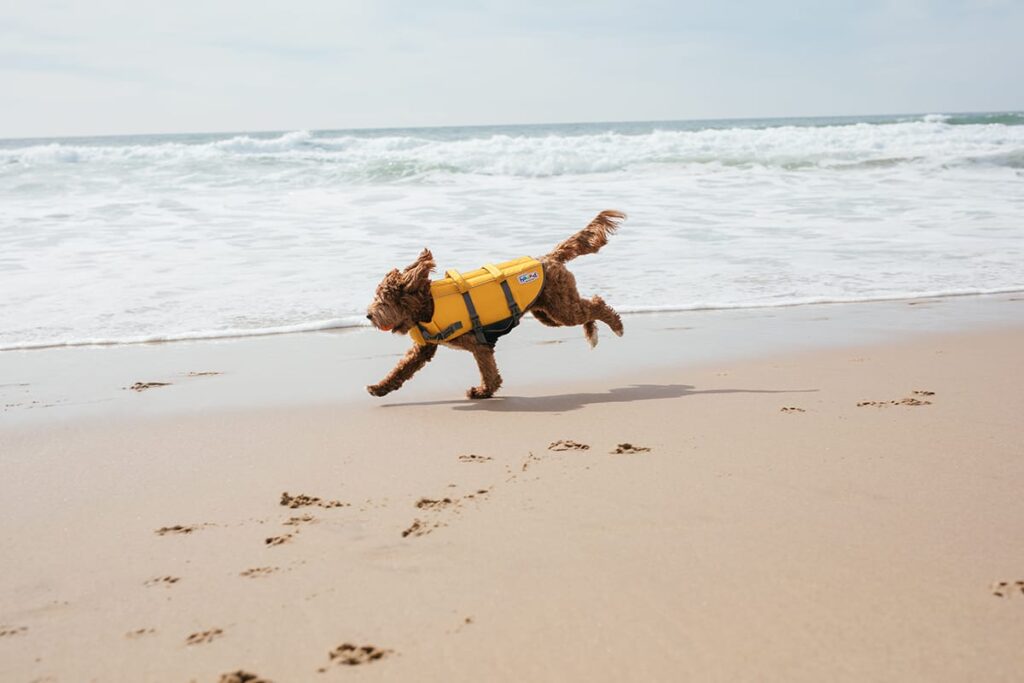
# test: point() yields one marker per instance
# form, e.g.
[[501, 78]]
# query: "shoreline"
[[340, 324], [49, 386]]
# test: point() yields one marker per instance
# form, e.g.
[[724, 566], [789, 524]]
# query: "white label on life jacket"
[[527, 277]]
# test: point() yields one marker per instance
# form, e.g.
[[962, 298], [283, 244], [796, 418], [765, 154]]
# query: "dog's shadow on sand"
[[562, 403]]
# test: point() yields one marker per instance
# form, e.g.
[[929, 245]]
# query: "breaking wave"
[[935, 139]]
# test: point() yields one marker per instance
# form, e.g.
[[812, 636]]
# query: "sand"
[[843, 512]]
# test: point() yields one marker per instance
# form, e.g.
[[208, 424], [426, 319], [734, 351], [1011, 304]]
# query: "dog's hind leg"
[[589, 327], [599, 310], [579, 311], [543, 318], [560, 304], [414, 359]]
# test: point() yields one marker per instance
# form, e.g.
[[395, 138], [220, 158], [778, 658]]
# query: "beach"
[[754, 411], [803, 493]]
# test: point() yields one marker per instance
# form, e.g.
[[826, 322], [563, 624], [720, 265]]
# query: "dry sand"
[[762, 524]]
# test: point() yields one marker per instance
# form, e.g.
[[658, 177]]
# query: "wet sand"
[[821, 497]]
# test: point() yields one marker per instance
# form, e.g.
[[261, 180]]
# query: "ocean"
[[130, 239]]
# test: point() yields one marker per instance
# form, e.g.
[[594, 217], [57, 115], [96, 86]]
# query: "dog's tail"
[[590, 239]]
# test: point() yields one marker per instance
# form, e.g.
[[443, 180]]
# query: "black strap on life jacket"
[[474, 318], [443, 334], [513, 307]]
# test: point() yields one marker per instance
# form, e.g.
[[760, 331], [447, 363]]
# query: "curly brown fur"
[[403, 299], [590, 239]]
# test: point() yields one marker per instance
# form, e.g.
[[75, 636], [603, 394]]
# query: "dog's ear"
[[417, 274]]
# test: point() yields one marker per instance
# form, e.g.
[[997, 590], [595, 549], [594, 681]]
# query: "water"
[[135, 238]]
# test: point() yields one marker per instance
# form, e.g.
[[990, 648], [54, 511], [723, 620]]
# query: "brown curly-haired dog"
[[403, 300]]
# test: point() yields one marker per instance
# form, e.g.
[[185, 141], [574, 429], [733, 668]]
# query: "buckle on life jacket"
[[442, 335]]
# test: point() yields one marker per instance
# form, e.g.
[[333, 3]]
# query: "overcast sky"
[[136, 66]]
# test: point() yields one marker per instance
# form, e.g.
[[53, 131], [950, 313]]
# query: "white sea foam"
[[928, 141], [163, 238]]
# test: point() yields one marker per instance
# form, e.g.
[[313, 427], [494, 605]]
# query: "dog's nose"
[[369, 317]]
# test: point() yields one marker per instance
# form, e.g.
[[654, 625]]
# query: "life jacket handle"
[[460, 282]]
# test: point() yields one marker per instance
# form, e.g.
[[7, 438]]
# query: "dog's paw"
[[377, 390], [478, 392]]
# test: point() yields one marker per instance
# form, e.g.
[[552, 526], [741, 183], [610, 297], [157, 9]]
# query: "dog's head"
[[403, 297]]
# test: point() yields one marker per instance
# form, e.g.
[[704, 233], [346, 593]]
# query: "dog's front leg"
[[414, 359], [489, 375]]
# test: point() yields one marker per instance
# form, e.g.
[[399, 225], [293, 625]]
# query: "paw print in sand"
[[419, 528], [242, 677], [203, 637], [278, 540], [1006, 589], [473, 457], [257, 572], [302, 500], [163, 581], [915, 399], [628, 448], [348, 654], [176, 529], [567, 446]]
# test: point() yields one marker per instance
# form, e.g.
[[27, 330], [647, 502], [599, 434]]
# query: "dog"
[[405, 302]]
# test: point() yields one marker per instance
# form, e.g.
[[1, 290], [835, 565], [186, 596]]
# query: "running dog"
[[470, 311]]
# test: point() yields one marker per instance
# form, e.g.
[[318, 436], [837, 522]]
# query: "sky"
[[93, 67]]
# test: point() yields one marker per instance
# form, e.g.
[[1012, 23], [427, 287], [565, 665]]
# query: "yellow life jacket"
[[488, 302]]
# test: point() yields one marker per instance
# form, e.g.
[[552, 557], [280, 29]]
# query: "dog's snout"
[[369, 317]]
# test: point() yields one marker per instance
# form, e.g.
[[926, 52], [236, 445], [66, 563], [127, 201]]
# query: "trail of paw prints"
[[629, 449], [1006, 589], [163, 581], [242, 677], [348, 654], [10, 631], [917, 398], [436, 507], [204, 637], [294, 502]]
